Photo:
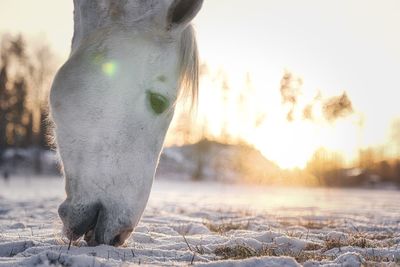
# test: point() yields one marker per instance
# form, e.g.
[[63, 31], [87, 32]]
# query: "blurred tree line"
[[26, 71], [372, 167], [328, 168]]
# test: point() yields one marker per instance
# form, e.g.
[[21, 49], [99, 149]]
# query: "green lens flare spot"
[[109, 68]]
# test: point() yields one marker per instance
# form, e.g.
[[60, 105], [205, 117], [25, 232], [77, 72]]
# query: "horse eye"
[[158, 103]]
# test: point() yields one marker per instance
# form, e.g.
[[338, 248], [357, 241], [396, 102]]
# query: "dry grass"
[[312, 225], [224, 227], [361, 241], [242, 252], [355, 240], [236, 252], [313, 246], [313, 251], [308, 224]]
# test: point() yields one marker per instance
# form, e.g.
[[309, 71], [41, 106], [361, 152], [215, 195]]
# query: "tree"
[[13, 92], [324, 162], [290, 91], [367, 158], [4, 96], [25, 77], [395, 136], [337, 107]]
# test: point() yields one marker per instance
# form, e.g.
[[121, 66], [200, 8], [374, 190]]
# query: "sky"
[[333, 45]]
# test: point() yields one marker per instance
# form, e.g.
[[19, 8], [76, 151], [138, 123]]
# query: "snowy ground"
[[211, 224]]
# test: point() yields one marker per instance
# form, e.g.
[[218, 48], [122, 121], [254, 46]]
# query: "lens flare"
[[109, 68]]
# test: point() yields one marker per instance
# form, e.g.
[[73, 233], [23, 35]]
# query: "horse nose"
[[78, 218], [94, 222]]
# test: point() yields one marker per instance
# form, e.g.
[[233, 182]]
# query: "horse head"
[[112, 103]]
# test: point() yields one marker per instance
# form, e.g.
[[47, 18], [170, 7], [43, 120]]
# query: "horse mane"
[[189, 63]]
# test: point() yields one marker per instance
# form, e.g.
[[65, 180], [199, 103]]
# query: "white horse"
[[112, 103]]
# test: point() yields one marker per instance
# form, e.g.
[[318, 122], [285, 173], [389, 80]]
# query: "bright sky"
[[334, 45]]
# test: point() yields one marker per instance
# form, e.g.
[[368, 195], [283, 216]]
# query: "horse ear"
[[181, 13]]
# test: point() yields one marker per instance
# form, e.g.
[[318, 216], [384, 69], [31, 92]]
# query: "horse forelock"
[[189, 64]]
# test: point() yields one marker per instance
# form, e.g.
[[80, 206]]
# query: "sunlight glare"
[[109, 68]]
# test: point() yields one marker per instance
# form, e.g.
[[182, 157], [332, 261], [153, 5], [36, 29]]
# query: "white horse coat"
[[112, 103]]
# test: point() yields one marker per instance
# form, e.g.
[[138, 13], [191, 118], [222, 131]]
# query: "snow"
[[256, 262], [211, 224], [348, 259]]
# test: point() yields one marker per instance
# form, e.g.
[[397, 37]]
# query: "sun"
[[288, 145]]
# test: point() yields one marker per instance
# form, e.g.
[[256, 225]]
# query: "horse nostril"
[[119, 239], [78, 218], [116, 240]]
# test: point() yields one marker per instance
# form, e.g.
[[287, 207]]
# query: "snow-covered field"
[[211, 224]]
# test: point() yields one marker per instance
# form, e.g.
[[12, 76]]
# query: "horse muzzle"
[[98, 224]]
